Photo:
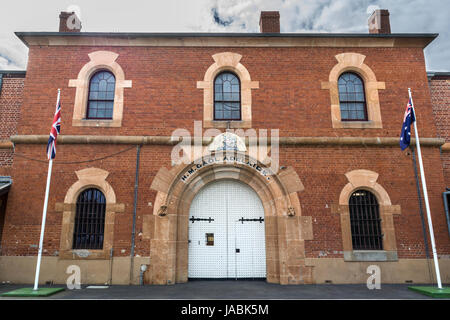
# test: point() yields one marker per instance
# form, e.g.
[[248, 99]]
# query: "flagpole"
[[44, 216], [425, 193]]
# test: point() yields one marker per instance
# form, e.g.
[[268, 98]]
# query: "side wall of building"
[[11, 96], [440, 97]]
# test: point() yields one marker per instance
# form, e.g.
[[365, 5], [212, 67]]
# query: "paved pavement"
[[232, 290]]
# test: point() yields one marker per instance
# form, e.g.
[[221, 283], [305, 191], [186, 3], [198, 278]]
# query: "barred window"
[[365, 221], [352, 99], [227, 97], [89, 220], [101, 96]]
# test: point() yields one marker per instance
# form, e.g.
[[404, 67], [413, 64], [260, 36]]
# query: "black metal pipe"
[[133, 232], [420, 204], [424, 230], [111, 254], [446, 196]]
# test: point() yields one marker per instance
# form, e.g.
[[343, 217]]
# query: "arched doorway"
[[285, 228], [226, 232]]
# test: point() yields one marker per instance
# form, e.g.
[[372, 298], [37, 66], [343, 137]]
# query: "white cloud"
[[13, 53], [341, 16], [408, 16]]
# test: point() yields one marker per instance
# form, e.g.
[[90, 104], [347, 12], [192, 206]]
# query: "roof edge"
[[432, 74], [427, 38], [13, 71]]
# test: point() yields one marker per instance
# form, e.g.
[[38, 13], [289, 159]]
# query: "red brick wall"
[[440, 97], [164, 97], [11, 96], [321, 170]]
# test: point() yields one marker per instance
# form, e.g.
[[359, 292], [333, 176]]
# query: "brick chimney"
[[379, 22], [269, 22], [69, 22]]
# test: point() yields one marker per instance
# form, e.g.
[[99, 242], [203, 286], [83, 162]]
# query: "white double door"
[[226, 232]]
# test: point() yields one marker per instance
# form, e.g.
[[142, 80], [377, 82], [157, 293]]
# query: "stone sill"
[[358, 125], [113, 123], [370, 256], [84, 255], [236, 124]]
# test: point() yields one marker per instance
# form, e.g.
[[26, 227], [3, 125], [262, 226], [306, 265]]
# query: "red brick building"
[[440, 99], [342, 195], [11, 94]]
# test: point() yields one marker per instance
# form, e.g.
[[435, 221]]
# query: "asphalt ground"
[[232, 290]]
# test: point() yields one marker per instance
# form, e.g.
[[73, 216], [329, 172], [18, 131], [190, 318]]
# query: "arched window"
[[101, 96], [365, 221], [352, 99], [227, 97], [89, 220]]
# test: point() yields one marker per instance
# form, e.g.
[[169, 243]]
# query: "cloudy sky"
[[407, 16]]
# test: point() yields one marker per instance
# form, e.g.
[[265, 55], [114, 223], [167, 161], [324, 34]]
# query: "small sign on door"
[[210, 239]]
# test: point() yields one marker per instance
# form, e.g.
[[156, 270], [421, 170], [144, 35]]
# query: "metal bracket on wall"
[[446, 196], [260, 220], [193, 219]]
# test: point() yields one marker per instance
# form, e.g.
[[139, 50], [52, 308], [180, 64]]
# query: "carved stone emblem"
[[291, 212], [227, 141], [162, 211]]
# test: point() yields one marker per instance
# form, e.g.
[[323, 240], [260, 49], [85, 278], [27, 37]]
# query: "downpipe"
[[133, 231], [111, 252]]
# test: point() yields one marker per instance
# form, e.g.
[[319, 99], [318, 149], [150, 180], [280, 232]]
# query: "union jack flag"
[[51, 146], [408, 119]]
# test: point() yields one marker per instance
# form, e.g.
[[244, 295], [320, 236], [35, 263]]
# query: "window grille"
[[89, 225], [365, 221]]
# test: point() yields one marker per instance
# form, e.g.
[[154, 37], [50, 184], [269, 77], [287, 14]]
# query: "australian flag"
[[51, 146], [408, 119]]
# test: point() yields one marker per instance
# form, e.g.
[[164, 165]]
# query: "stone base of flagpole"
[[29, 292], [432, 291]]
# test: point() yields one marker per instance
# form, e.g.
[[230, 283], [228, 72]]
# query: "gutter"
[[224, 35], [13, 72]]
